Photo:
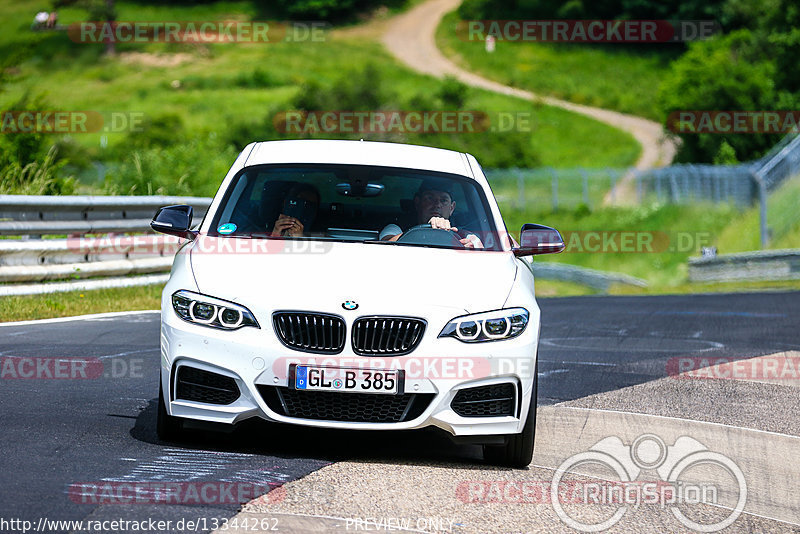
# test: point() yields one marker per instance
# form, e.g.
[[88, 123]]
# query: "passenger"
[[299, 211]]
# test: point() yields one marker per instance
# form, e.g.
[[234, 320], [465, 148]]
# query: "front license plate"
[[347, 380]]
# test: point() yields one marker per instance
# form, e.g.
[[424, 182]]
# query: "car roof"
[[359, 153]]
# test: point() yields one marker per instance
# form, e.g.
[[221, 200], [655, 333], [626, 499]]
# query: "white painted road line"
[[88, 317]]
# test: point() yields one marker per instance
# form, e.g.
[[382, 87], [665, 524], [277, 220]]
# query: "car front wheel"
[[518, 449], [168, 427]]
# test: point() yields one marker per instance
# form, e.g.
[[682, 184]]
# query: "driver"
[[434, 205]]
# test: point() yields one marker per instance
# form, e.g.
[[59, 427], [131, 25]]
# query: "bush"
[[453, 93], [196, 167], [23, 148], [329, 9], [585, 9], [157, 131], [356, 90], [36, 178], [258, 78]]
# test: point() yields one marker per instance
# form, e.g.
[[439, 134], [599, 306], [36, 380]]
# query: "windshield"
[[356, 203]]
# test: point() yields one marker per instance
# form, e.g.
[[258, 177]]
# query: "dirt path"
[[411, 38]]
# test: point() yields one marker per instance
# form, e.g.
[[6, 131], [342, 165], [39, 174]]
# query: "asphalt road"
[[59, 434]]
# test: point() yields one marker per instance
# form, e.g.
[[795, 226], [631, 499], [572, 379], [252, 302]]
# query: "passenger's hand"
[[441, 223], [290, 225], [471, 241]]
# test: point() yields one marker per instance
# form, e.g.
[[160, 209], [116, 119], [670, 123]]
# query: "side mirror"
[[538, 239], [174, 220]]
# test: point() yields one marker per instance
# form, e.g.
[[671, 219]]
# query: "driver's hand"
[[441, 223], [471, 241], [292, 226]]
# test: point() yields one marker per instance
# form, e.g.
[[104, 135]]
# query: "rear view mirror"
[[538, 239], [359, 189], [174, 220]]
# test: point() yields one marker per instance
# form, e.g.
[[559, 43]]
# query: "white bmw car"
[[354, 285]]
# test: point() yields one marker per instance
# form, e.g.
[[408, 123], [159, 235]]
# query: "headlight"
[[487, 326], [210, 311]]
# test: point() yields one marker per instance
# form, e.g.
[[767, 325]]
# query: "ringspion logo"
[[687, 472]]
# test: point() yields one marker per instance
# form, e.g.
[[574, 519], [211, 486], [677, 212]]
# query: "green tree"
[[98, 10], [720, 74]]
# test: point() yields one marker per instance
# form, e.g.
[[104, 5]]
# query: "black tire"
[[518, 449], [168, 428]]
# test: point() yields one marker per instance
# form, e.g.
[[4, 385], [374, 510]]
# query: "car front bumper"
[[437, 370]]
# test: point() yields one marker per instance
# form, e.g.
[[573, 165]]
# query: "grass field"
[[216, 88], [25, 307], [783, 220], [611, 76], [675, 234]]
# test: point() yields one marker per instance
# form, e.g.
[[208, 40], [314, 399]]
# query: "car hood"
[[321, 275]]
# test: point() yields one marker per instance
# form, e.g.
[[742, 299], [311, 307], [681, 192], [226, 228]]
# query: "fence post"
[[639, 193], [585, 179], [613, 178], [657, 178], [554, 180], [762, 201]]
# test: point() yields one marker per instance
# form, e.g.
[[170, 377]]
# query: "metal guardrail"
[[747, 266], [78, 262], [63, 215]]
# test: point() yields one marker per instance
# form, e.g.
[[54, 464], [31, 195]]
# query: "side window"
[[235, 198]]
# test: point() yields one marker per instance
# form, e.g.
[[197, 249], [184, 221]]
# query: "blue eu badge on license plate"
[[301, 378]]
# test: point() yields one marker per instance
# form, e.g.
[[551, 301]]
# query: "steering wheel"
[[425, 234]]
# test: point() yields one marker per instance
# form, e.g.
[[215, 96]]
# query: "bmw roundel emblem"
[[349, 305]]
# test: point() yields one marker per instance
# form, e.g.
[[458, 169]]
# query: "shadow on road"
[[256, 436]]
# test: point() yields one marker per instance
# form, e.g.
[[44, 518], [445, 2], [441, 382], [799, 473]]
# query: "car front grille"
[[197, 385], [346, 407], [394, 336], [310, 332], [496, 400]]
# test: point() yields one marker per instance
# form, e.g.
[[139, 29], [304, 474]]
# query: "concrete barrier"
[[753, 266]]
